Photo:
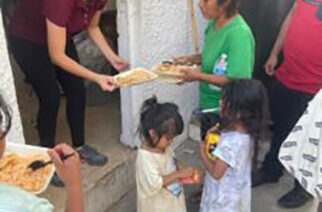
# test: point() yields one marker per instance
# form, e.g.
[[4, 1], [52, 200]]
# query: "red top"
[[29, 20], [302, 66]]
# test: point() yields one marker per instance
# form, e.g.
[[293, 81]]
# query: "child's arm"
[[181, 173], [69, 171], [217, 169]]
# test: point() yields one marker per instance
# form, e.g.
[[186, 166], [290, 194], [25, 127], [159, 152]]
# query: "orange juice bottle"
[[212, 140]]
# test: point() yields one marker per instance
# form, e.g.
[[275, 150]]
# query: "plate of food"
[[134, 76], [167, 69], [14, 171]]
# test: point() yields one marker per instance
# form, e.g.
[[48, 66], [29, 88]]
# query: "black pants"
[[287, 106], [44, 77]]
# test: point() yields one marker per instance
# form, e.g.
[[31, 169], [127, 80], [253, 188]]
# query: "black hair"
[[231, 8], [163, 118], [246, 101], [5, 118]]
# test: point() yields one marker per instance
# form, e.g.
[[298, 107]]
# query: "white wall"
[[149, 30], [7, 89]]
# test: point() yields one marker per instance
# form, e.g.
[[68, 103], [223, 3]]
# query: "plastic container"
[[23, 149]]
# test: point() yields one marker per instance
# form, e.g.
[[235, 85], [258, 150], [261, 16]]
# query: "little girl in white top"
[[245, 115], [157, 171]]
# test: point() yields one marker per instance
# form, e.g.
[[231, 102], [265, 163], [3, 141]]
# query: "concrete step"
[[103, 186], [126, 204]]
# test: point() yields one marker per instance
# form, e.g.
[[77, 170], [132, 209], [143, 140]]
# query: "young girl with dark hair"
[[244, 110], [157, 170]]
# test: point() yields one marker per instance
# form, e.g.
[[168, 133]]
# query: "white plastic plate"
[[24, 149]]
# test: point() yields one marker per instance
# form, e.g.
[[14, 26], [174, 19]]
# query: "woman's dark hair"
[[231, 8], [246, 100], [5, 118], [163, 118]]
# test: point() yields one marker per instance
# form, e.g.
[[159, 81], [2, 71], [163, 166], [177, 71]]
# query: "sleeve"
[[241, 54], [101, 4], [229, 150], [149, 179], [42, 205], [58, 11]]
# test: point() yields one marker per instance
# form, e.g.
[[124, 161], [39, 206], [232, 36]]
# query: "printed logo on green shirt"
[[220, 68]]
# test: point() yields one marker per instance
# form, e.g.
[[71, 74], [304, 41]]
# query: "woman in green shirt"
[[228, 53]]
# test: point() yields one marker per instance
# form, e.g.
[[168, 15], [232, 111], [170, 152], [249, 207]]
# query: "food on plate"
[[134, 76], [167, 68], [14, 171]]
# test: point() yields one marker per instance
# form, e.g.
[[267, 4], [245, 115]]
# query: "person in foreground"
[[227, 186], [157, 171], [13, 199]]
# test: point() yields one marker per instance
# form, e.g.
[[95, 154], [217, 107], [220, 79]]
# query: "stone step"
[[103, 186]]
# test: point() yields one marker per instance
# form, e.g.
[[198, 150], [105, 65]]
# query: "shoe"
[[91, 156], [261, 177], [295, 198], [56, 181]]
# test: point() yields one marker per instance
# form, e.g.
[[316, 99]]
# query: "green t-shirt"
[[236, 44]]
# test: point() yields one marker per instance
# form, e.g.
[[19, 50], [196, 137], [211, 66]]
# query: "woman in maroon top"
[[40, 37]]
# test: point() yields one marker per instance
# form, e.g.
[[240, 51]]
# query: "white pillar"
[[7, 89], [149, 31]]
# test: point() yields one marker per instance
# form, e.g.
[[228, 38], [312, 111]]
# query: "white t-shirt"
[[151, 195], [232, 193]]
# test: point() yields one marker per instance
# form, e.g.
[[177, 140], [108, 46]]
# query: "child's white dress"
[[232, 193], [151, 195]]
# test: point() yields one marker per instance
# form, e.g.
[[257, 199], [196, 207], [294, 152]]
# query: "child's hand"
[[196, 178], [185, 172], [68, 170]]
